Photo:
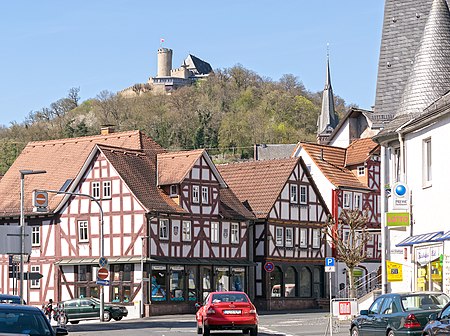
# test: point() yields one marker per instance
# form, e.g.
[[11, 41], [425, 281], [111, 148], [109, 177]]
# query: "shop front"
[[429, 267]]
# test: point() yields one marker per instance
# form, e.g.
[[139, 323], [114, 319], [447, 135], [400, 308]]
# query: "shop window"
[[206, 281], [127, 272], [305, 282], [94, 291], [176, 282], [303, 194], [83, 273], [317, 285], [275, 282], [237, 279], [192, 281], [82, 292], [158, 283], [290, 282], [222, 279], [294, 193]]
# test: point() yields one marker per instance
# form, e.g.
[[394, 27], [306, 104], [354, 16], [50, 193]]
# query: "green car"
[[398, 314], [75, 310]]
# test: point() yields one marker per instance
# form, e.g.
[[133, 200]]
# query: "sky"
[[48, 47]]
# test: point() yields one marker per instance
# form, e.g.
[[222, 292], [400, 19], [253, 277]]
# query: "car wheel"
[[118, 318], [391, 333], [74, 322], [245, 331], [254, 331], [63, 319], [106, 316], [355, 331], [206, 331]]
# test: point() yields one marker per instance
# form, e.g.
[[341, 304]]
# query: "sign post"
[[330, 268]]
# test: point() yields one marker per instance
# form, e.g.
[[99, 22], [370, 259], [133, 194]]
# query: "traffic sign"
[[329, 261], [40, 199], [269, 266], [102, 282], [103, 262], [330, 269], [102, 273]]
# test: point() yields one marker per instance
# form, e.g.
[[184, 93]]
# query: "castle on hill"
[[168, 79]]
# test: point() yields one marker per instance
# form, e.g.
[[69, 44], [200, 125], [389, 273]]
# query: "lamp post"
[[23, 173], [102, 239], [142, 277]]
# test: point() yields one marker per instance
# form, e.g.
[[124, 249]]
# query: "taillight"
[[210, 311], [411, 322], [252, 311]]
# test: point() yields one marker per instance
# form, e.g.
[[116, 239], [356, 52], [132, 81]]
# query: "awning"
[[422, 238], [94, 261], [445, 236]]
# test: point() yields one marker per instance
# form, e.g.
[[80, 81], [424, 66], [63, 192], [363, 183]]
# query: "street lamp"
[[22, 222]]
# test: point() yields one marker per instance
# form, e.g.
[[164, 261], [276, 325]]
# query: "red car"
[[227, 311]]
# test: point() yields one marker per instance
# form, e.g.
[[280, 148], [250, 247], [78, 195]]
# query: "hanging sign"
[[394, 271]]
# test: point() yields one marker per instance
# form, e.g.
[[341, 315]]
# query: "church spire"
[[328, 118]]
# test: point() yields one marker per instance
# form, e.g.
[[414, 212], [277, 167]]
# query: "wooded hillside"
[[228, 112]]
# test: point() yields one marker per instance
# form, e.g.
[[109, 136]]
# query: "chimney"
[[106, 129]]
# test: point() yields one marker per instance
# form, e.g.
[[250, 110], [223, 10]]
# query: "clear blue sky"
[[50, 46]]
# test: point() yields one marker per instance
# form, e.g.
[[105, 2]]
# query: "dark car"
[[8, 298], [28, 320], [75, 310], [398, 314], [439, 323]]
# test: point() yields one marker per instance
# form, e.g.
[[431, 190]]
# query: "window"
[[376, 306], [106, 189], [83, 231], [303, 237], [83, 272], [426, 159], [303, 194], [164, 229], [235, 233], [279, 236], [35, 235], [173, 190], [294, 192], [316, 238], [358, 202], [195, 194], [347, 202], [186, 230], [35, 283], [158, 283], [361, 171], [95, 186], [289, 237], [275, 282], [205, 193], [305, 282], [177, 283], [214, 232], [290, 282], [396, 164]]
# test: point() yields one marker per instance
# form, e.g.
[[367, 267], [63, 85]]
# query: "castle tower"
[[164, 62], [328, 118]]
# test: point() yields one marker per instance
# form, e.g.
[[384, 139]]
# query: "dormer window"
[[173, 190], [361, 171]]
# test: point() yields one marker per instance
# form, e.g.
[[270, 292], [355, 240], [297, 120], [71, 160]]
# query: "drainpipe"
[[384, 233]]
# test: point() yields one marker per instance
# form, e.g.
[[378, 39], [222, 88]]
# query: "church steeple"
[[328, 118]]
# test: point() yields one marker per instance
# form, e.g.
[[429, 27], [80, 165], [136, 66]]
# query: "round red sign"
[[102, 273]]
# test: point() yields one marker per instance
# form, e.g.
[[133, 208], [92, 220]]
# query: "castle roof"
[[197, 66]]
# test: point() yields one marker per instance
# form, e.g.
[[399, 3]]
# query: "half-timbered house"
[[349, 179], [170, 227], [289, 243]]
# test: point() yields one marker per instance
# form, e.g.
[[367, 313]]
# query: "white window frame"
[[205, 195], [234, 233], [279, 236], [83, 232], [316, 238], [186, 231], [293, 193], [195, 194], [303, 194], [357, 202], [173, 190], [107, 192], [361, 170], [35, 283], [214, 228], [427, 163], [289, 241], [163, 229], [303, 237], [95, 189], [347, 200], [35, 236]]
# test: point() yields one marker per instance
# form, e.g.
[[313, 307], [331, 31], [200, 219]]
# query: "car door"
[[71, 309], [87, 309], [442, 328], [383, 319], [367, 324]]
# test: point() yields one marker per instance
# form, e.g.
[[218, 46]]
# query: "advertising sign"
[[397, 219], [400, 193], [394, 271]]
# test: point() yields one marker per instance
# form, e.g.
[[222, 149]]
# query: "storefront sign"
[[394, 271], [446, 273], [397, 219], [426, 254], [400, 193], [177, 268], [159, 267]]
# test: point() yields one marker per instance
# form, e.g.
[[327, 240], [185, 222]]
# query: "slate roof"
[[63, 159], [331, 162], [174, 166], [328, 116], [359, 151], [197, 66], [258, 182], [403, 25]]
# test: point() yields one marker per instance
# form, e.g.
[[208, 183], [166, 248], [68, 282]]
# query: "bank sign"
[[400, 193], [397, 219]]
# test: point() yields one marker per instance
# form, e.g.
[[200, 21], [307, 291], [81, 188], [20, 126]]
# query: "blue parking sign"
[[329, 261]]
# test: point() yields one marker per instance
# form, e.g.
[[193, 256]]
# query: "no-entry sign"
[[40, 199], [102, 273]]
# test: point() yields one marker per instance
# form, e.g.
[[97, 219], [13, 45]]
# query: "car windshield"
[[23, 322], [424, 301], [216, 298]]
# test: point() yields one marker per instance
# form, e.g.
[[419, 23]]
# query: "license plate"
[[232, 312]]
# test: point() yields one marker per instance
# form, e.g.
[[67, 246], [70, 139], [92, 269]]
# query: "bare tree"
[[349, 237]]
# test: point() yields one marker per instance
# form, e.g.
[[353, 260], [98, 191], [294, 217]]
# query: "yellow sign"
[[394, 271]]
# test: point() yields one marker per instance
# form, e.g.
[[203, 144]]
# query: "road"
[[287, 324]]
